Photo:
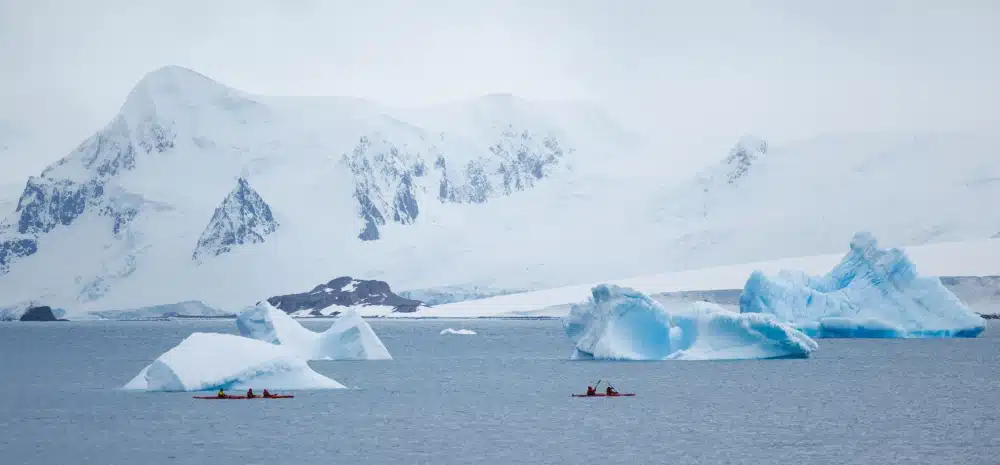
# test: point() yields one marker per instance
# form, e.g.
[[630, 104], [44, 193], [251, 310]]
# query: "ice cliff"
[[619, 323], [349, 338], [872, 292]]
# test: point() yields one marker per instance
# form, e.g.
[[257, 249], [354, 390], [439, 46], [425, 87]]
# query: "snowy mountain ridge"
[[492, 193], [333, 169]]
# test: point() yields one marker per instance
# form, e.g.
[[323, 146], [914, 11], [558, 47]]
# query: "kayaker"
[[250, 394], [222, 393], [610, 391], [267, 394], [591, 391]]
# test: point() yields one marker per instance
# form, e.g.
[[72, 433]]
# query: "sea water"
[[502, 397]]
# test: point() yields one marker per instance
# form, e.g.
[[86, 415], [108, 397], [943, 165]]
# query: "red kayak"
[[630, 394], [243, 397]]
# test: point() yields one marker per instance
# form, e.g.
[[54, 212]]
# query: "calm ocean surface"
[[502, 397]]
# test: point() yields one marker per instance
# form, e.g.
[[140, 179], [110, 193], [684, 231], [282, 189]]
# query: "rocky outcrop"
[[48, 203], [242, 218], [43, 313], [519, 160], [388, 177], [344, 292], [75, 184], [742, 156], [384, 184], [14, 248]]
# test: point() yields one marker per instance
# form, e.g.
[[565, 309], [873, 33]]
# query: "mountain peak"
[[173, 87], [172, 76]]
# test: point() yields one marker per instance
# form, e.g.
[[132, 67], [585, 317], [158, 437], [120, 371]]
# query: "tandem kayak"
[[630, 394], [242, 397]]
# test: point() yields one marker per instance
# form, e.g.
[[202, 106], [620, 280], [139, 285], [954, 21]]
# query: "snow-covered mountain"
[[194, 181], [197, 191]]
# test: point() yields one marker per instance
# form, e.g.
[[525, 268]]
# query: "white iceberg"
[[463, 332], [619, 323], [871, 293], [349, 338], [210, 361]]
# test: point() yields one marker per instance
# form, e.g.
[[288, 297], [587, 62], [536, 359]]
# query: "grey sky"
[[678, 71]]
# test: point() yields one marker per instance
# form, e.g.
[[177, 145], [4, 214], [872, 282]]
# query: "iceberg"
[[210, 361], [871, 293], [462, 332], [349, 338], [619, 323]]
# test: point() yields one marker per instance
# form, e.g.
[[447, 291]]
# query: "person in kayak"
[[267, 394], [250, 393], [591, 391], [222, 393], [610, 391]]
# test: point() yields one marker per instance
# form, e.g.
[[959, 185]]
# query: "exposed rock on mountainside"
[[344, 292], [242, 218], [742, 156]]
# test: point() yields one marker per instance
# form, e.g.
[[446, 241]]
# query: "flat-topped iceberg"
[[349, 338], [210, 361], [619, 323], [871, 293]]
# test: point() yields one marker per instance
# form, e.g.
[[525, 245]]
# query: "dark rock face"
[[55, 199], [43, 313], [47, 203], [387, 175], [519, 160], [242, 218], [344, 292], [383, 184], [12, 249]]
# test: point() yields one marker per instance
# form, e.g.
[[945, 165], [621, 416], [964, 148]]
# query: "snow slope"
[[971, 258], [494, 192], [344, 181], [349, 338], [872, 292], [209, 361], [622, 324]]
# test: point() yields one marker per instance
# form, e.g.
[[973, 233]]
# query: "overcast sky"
[[680, 71]]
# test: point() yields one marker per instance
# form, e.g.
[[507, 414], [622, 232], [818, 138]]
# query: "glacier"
[[188, 308], [620, 323], [871, 293], [210, 361], [349, 338]]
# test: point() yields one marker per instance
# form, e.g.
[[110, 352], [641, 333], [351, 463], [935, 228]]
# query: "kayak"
[[630, 394], [243, 397]]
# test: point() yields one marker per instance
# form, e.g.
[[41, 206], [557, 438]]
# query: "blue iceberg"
[[871, 293], [619, 323]]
